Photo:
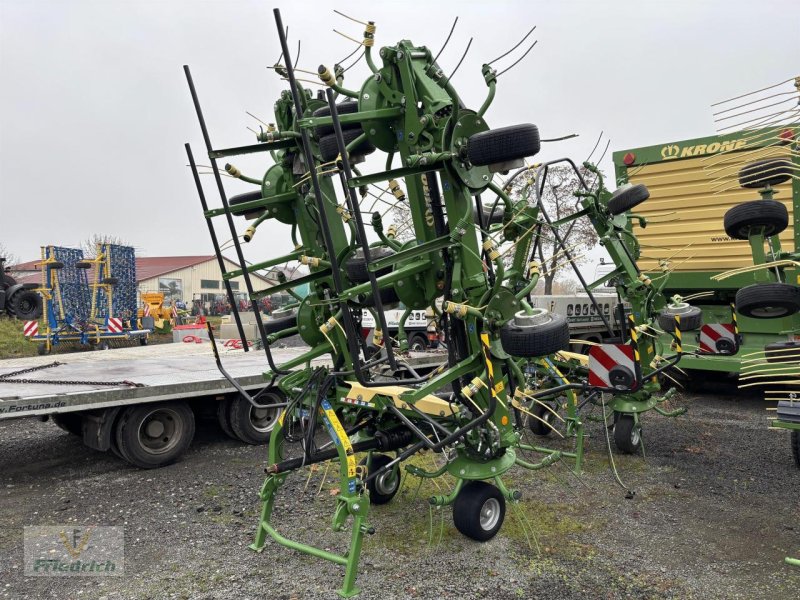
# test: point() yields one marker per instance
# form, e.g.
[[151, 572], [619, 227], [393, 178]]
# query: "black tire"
[[25, 305], [627, 197], [83, 265], [627, 434], [770, 215], [782, 352], [153, 435], [253, 213], [42, 349], [768, 300], [539, 339], [329, 148], [342, 108], [691, 317], [224, 418], [279, 323], [505, 144], [479, 510], [143, 340], [388, 295], [761, 173], [69, 422], [796, 447], [418, 342], [254, 425], [496, 216], [56, 265], [111, 281], [386, 485], [535, 425], [356, 265]]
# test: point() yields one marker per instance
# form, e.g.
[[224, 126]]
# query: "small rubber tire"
[[536, 426], [56, 265], [627, 197], [356, 265], [536, 340], [386, 485], [253, 213], [42, 349], [83, 265], [796, 447], [171, 433], [479, 510], [111, 281], [254, 425], [742, 219], [761, 173], [504, 144], [768, 300], [782, 352], [329, 148], [418, 342], [274, 325], [25, 305], [347, 107], [143, 340], [388, 295], [69, 422], [627, 434], [224, 418], [496, 216], [691, 318]]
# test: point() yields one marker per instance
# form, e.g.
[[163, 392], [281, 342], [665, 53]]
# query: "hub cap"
[[386, 483], [490, 514], [160, 431]]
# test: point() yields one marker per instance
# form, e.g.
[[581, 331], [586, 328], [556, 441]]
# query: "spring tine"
[[518, 60], [452, 29], [514, 48]]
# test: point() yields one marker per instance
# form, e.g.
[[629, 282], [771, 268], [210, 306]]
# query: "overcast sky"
[[94, 109]]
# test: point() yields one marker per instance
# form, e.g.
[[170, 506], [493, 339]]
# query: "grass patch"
[[12, 343]]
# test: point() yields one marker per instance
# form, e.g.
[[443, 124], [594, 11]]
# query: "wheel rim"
[[490, 514], [417, 346], [160, 431], [263, 419], [636, 435], [386, 482], [769, 312]]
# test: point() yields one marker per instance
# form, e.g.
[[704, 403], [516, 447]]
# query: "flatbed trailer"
[[140, 402]]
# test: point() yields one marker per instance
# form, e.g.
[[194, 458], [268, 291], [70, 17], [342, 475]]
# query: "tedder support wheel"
[[356, 265], [768, 300], [761, 173], [782, 352], [479, 510], [388, 297], [796, 447], [691, 317], [280, 320], [538, 334], [536, 425], [384, 487], [627, 434], [329, 148], [69, 422], [254, 425], [342, 108], [503, 145], [224, 417], [253, 213], [744, 219], [626, 197], [154, 435]]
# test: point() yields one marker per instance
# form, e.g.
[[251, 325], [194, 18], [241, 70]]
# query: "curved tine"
[[463, 56], [355, 62], [452, 29], [339, 62], [286, 35], [569, 136], [596, 144], [755, 92], [294, 66], [514, 48], [518, 60]]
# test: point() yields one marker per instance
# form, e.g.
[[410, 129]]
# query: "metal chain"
[[6, 378], [30, 370]]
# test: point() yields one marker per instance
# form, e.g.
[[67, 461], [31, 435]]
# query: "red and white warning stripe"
[[712, 333], [174, 311], [114, 325], [604, 357], [146, 311], [30, 328]]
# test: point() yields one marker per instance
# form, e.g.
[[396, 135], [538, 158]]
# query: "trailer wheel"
[[280, 320], [479, 510], [417, 343], [25, 305], [504, 144], [356, 265], [224, 418], [154, 435], [536, 426], [761, 173], [329, 147], [342, 108], [796, 447], [69, 422], [626, 197], [768, 300], [539, 334], [770, 215], [782, 352], [43, 348], [691, 317], [384, 487], [254, 425], [627, 434]]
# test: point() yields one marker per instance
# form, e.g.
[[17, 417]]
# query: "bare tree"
[[89, 245], [9, 258], [559, 200]]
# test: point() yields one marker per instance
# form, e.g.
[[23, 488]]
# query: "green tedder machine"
[[505, 361]]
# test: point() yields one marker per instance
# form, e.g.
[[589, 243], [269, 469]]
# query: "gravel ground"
[[715, 512]]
